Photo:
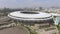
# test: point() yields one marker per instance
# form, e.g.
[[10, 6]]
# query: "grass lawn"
[[31, 31], [58, 28]]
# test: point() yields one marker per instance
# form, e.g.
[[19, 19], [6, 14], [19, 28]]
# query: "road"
[[4, 19]]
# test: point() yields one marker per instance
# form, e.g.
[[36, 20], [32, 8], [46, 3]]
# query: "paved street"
[[12, 30]]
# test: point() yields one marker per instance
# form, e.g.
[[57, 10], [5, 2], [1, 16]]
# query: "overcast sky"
[[29, 3]]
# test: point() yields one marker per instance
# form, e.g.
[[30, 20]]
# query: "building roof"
[[25, 15]]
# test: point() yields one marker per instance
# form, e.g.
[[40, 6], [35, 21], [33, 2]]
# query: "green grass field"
[[58, 28]]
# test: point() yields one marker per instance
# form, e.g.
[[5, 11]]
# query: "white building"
[[31, 17]]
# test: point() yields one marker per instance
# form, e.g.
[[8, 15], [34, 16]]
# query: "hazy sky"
[[29, 3]]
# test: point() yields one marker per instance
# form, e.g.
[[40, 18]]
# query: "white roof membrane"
[[25, 15]]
